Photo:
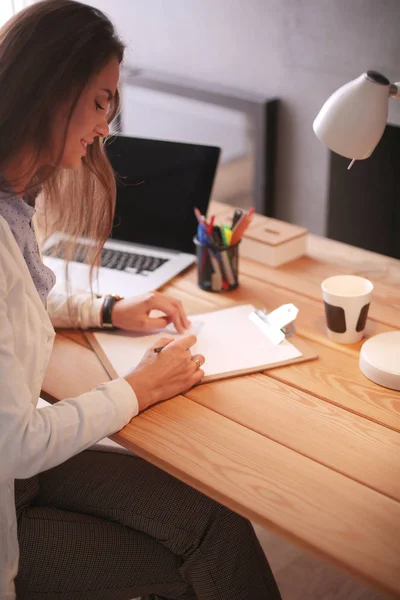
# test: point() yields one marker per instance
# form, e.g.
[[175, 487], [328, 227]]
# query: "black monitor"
[[159, 184]]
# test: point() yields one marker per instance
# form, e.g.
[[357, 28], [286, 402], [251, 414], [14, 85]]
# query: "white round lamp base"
[[380, 359]]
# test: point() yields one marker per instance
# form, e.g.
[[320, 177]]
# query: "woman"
[[81, 524]]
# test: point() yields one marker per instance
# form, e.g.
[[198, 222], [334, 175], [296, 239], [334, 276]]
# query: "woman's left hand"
[[133, 314]]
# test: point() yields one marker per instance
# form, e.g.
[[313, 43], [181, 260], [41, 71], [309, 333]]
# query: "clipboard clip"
[[278, 324]]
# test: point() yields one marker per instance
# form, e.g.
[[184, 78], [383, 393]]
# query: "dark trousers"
[[106, 526]]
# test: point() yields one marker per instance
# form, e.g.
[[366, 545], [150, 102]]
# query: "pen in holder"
[[217, 266]]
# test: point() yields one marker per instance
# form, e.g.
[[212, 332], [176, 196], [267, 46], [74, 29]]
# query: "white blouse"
[[33, 440]]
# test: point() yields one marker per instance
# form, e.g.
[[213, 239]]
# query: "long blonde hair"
[[48, 51]]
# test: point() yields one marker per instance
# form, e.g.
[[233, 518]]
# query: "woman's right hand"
[[168, 373]]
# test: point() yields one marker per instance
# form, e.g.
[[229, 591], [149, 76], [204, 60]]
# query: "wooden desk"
[[310, 451]]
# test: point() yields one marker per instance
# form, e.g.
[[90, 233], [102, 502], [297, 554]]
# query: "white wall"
[[297, 50], [157, 115]]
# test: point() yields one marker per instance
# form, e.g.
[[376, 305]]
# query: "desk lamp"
[[351, 123]]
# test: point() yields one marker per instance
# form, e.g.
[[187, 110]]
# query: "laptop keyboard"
[[120, 260], [115, 259]]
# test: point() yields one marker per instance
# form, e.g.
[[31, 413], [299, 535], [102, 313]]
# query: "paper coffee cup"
[[347, 299]]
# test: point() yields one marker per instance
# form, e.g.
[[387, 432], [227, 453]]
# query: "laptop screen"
[[159, 184]]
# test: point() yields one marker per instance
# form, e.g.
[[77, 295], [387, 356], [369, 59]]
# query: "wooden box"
[[267, 240]]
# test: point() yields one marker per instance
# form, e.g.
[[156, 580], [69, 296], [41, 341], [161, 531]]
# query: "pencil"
[[199, 216], [158, 349]]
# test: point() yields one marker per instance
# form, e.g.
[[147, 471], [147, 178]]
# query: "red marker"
[[210, 226]]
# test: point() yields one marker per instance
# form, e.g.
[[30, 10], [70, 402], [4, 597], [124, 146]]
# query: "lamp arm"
[[394, 90]]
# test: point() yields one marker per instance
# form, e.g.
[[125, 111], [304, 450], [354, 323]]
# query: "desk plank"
[[385, 304], [192, 303], [336, 377], [65, 376], [363, 262], [76, 336], [314, 271], [306, 502], [314, 268], [356, 447]]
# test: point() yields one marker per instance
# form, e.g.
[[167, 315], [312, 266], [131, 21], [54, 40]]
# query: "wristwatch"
[[106, 311]]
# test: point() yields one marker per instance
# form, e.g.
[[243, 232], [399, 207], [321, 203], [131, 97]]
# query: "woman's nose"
[[102, 129]]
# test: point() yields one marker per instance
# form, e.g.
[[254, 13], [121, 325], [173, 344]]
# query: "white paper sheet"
[[229, 340]]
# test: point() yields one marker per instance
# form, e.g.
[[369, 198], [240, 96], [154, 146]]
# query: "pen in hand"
[[158, 349]]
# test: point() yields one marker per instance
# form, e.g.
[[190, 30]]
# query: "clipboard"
[[229, 339]]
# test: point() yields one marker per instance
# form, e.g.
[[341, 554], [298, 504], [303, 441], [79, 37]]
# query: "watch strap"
[[106, 311]]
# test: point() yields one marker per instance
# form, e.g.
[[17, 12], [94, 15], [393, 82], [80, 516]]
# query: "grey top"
[[18, 214]]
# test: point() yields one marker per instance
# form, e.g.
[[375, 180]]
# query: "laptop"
[[159, 183]]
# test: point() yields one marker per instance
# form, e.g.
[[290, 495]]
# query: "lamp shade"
[[353, 119]]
